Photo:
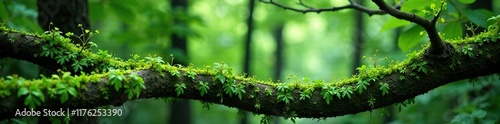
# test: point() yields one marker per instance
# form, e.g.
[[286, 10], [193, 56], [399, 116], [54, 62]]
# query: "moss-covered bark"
[[469, 58]]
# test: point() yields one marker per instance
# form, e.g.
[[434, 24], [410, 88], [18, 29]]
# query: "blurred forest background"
[[271, 44]]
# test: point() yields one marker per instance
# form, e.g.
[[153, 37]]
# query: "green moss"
[[119, 73]]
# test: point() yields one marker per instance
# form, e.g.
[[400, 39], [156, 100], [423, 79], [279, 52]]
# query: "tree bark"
[[482, 60]]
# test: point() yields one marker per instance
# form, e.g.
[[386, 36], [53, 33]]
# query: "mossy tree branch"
[[404, 80]]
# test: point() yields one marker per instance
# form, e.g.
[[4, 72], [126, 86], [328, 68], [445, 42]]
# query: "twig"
[[352, 5]]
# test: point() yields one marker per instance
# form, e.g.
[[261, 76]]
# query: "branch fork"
[[437, 48]]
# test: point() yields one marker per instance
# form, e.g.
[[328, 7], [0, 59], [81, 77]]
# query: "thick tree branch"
[[259, 97], [352, 5]]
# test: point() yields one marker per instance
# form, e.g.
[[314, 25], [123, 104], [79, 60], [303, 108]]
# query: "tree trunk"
[[278, 65], [358, 38], [180, 111], [66, 15]]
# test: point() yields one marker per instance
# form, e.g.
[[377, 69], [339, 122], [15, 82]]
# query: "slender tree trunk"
[[358, 38], [66, 15], [180, 111], [278, 65], [248, 49]]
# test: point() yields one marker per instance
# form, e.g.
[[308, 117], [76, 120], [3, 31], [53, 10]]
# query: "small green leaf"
[[179, 88], [76, 82], [64, 97], [72, 91], [410, 38], [55, 76], [119, 77], [28, 100], [384, 87], [203, 87], [130, 94], [222, 78], [22, 91], [117, 84], [38, 93], [61, 86]]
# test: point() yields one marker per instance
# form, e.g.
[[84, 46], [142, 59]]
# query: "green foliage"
[[232, 88], [284, 93], [155, 62], [371, 102], [384, 87], [346, 91], [206, 105], [179, 88], [419, 66], [115, 79], [66, 57], [221, 69], [34, 96], [239, 90], [495, 18], [306, 94], [328, 93], [203, 88], [468, 50], [84, 37], [269, 92], [79, 64], [134, 86], [63, 90], [362, 84], [435, 10], [174, 72], [50, 50], [190, 74], [266, 119], [405, 103], [369, 74], [62, 56]]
